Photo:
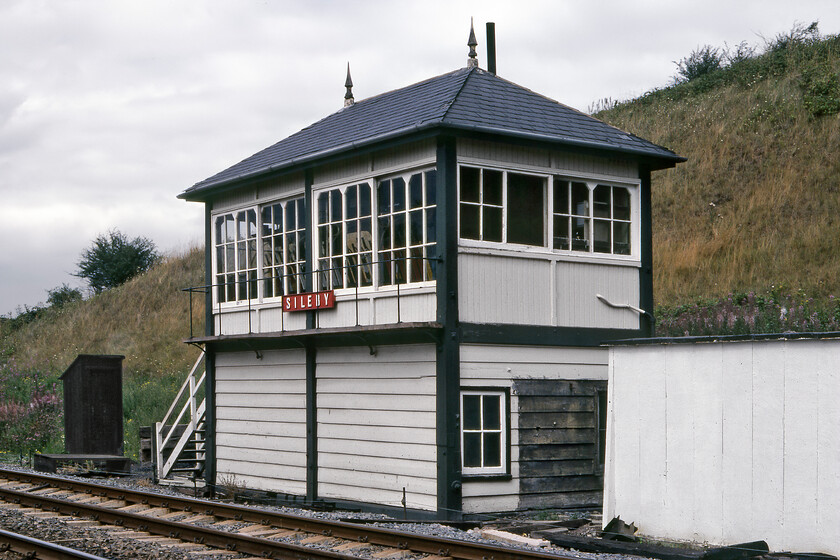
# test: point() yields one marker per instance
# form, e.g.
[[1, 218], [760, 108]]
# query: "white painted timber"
[[261, 420], [374, 307], [727, 442], [529, 289], [374, 165], [489, 363], [376, 425], [544, 161]]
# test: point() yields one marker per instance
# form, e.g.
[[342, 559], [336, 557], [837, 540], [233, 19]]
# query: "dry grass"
[[756, 203], [145, 320]]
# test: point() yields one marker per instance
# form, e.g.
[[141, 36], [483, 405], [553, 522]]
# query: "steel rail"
[[264, 548], [43, 550], [441, 546]]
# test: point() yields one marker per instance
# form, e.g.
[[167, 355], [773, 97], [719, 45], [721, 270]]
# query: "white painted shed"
[[726, 441]]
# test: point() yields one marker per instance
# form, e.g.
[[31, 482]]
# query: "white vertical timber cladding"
[[261, 420], [768, 437], [679, 441], [577, 286], [518, 290], [652, 449], [376, 425], [496, 366], [626, 491], [751, 436], [707, 410], [561, 161], [800, 436], [828, 435], [265, 191], [495, 289], [736, 363]]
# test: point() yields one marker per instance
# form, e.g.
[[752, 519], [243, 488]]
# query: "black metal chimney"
[[491, 47]]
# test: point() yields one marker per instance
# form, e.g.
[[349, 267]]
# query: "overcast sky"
[[109, 109]]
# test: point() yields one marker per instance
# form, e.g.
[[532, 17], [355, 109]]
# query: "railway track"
[[238, 529], [27, 547]]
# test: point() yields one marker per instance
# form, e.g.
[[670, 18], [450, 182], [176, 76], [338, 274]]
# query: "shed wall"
[[727, 442]]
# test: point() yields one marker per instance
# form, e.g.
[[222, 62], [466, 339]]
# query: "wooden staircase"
[[179, 442]]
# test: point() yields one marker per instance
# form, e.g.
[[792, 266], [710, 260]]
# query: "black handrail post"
[[191, 316], [399, 317], [358, 277]]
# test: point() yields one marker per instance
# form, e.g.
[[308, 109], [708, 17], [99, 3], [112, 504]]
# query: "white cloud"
[[109, 109]]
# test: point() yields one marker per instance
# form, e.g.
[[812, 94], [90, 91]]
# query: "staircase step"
[[188, 470]]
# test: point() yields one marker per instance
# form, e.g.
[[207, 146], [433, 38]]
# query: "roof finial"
[[472, 61], [348, 83]]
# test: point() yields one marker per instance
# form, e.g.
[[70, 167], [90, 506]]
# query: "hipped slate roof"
[[469, 99]]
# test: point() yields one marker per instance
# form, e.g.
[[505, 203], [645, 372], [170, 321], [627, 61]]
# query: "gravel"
[[100, 542]]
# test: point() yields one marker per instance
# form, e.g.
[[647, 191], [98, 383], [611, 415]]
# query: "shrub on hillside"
[[820, 87], [63, 295], [700, 62], [113, 259]]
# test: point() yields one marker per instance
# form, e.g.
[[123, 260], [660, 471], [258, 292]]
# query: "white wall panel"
[[376, 424], [494, 289], [374, 308], [261, 419], [544, 291], [577, 286], [727, 442], [544, 160]]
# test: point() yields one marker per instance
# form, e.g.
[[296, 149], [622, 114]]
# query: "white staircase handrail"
[[164, 471], [196, 415]]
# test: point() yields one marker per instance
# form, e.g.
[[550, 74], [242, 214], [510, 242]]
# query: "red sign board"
[[309, 301]]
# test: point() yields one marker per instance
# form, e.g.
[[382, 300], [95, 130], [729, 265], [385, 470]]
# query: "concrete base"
[[100, 464]]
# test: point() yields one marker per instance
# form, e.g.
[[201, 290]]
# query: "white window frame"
[[503, 431], [326, 281], [413, 251], [258, 290], [591, 218], [232, 246], [592, 181], [374, 181], [286, 266], [505, 205]]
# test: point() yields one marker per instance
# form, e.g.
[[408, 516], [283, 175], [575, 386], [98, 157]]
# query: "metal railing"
[[169, 441], [399, 270]]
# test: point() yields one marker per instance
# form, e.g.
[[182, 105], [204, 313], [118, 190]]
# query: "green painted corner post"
[[449, 499], [646, 322], [209, 359], [311, 356]]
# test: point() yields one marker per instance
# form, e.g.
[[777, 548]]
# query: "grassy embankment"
[[756, 208], [145, 320]]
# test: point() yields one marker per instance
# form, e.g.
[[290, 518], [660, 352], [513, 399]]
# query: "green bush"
[[701, 62], [113, 259], [63, 295], [820, 87]]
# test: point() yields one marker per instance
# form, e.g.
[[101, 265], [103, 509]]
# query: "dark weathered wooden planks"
[[558, 437]]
